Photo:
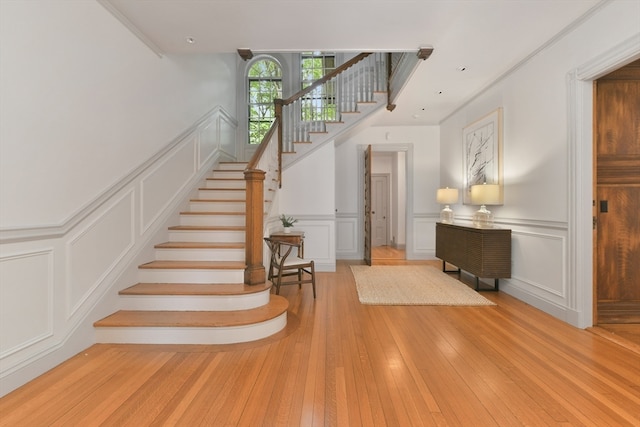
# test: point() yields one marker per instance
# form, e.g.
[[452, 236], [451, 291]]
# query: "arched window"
[[264, 84]]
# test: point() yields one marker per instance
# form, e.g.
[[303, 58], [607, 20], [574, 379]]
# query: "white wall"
[[78, 92], [308, 194], [100, 140], [421, 147], [547, 161]]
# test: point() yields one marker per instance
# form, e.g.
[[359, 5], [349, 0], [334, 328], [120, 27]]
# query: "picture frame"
[[482, 154]]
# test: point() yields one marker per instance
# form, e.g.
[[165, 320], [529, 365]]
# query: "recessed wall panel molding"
[[26, 300], [318, 242], [539, 263], [227, 134], [424, 228], [163, 182], [347, 237], [208, 140], [94, 251]]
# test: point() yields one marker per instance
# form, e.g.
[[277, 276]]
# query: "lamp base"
[[483, 218], [446, 215]]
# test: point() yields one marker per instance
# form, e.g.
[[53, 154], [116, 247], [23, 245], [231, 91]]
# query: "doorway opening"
[[388, 206]]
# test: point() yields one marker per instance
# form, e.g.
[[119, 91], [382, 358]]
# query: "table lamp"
[[484, 194], [447, 196]]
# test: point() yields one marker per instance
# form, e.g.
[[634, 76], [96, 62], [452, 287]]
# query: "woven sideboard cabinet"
[[483, 252]]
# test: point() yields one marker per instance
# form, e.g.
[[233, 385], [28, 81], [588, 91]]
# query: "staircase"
[[194, 291], [333, 131]]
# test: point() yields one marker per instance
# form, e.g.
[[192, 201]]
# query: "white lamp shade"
[[447, 196], [485, 194]]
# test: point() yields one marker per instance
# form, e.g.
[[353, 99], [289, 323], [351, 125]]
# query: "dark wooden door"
[[617, 204], [367, 205]]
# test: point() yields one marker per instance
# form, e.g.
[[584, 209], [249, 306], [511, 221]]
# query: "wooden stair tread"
[[194, 289], [209, 227], [194, 265], [200, 245], [126, 318]]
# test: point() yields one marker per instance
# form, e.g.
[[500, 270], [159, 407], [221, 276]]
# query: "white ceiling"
[[487, 37]]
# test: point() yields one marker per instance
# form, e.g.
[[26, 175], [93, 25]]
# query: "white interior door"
[[380, 210]]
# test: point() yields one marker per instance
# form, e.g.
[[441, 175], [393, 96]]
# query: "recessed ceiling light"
[[190, 40]]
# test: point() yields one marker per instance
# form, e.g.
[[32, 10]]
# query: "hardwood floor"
[[340, 363], [388, 255]]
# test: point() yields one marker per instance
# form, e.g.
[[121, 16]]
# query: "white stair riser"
[[194, 302], [232, 166], [207, 236], [213, 220], [177, 335], [218, 194], [219, 183], [227, 174], [204, 206], [158, 275], [188, 254]]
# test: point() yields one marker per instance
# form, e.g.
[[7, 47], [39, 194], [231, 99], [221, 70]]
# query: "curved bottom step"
[[194, 297], [193, 327]]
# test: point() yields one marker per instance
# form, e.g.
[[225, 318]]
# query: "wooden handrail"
[[263, 145], [326, 78]]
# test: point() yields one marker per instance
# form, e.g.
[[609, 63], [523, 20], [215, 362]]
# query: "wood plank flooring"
[[340, 363]]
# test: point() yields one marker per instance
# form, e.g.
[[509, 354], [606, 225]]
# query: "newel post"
[[254, 272]]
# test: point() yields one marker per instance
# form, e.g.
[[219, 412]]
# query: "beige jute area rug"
[[412, 285]]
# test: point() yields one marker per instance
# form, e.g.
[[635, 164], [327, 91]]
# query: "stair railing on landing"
[[327, 98]]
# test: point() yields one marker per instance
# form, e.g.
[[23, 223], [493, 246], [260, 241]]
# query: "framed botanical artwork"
[[482, 153]]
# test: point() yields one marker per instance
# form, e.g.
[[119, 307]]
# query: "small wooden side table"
[[295, 237]]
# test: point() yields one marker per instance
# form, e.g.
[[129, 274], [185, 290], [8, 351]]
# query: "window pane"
[[264, 85], [319, 104]]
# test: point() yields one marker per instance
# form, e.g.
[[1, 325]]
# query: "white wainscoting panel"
[[159, 187], [539, 262], [227, 134], [96, 248], [319, 242], [348, 237], [207, 141], [26, 300], [424, 237]]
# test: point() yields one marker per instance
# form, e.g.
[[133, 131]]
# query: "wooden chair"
[[285, 265]]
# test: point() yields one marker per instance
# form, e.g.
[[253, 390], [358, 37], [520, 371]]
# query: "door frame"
[[408, 150], [581, 249]]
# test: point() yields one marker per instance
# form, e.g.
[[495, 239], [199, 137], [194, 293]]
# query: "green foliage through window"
[[320, 103], [264, 82]]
